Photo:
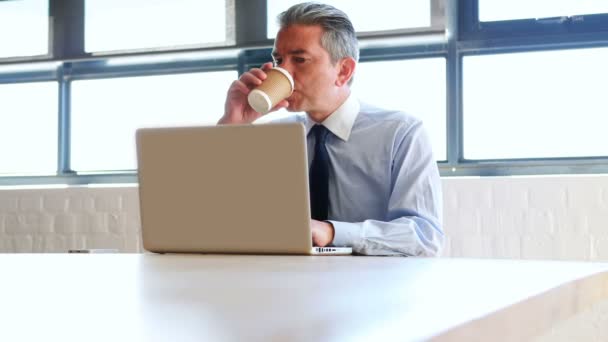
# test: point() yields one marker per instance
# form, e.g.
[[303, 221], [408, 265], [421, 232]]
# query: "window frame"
[[565, 27], [465, 36], [522, 35]]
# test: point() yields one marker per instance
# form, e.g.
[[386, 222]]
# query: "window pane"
[[492, 10], [139, 24], [28, 128], [24, 28], [536, 104], [418, 88], [106, 113], [383, 15]]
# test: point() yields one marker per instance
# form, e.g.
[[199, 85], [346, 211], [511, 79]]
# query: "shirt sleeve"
[[414, 214]]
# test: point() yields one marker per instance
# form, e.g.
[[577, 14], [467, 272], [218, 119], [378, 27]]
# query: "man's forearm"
[[407, 236]]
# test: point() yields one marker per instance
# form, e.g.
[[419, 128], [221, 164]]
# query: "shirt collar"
[[340, 122]]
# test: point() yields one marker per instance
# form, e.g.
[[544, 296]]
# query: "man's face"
[[298, 50]]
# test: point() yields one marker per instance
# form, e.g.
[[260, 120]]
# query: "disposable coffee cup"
[[277, 86]]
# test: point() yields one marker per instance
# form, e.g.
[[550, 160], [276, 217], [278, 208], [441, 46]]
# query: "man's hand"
[[322, 233], [236, 109]]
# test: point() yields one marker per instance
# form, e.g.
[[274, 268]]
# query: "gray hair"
[[339, 37]]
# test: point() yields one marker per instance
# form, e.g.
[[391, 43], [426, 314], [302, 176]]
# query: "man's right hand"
[[237, 110]]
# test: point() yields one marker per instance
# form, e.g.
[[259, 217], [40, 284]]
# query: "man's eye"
[[278, 61], [299, 59]]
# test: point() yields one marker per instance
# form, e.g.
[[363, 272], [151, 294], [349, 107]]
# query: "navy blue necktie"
[[319, 176]]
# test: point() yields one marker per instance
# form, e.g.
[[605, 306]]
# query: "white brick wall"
[[554, 217], [59, 219]]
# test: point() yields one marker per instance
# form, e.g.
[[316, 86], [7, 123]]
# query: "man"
[[375, 186]]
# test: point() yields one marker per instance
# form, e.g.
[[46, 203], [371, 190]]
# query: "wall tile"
[[604, 197], [26, 223], [117, 223], [447, 250], [513, 221], [504, 247], [510, 195], [570, 221], [56, 243], [65, 223], [79, 202], [541, 246], [133, 244], [23, 243], [8, 202], [133, 223], [547, 194], [598, 223], [30, 202], [584, 195], [469, 246], [573, 247], [466, 221], [55, 203], [105, 241], [6, 244], [474, 197], [130, 201], [490, 223], [108, 202], [539, 221], [600, 249]]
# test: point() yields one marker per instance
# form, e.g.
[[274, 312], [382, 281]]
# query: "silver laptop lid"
[[224, 189]]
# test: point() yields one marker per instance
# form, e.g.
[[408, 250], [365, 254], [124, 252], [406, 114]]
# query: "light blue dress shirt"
[[384, 186]]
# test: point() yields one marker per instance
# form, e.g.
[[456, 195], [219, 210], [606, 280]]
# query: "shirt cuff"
[[345, 234]]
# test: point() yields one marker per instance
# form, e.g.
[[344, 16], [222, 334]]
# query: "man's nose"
[[285, 65]]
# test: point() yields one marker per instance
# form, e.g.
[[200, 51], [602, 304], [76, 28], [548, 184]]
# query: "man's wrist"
[[331, 231]]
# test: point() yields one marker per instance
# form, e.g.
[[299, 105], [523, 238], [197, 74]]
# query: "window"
[[561, 20], [518, 90], [28, 128], [415, 86], [382, 15], [106, 113], [536, 104], [492, 10], [141, 24], [24, 28]]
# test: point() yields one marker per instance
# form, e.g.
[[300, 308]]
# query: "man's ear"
[[347, 69]]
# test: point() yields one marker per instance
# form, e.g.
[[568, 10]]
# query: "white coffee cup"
[[277, 86]]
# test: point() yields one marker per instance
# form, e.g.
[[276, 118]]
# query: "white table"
[[131, 297]]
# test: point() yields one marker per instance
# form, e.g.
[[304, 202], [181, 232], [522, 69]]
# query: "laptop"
[[226, 189]]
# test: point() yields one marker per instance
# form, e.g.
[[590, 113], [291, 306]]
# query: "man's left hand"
[[322, 233]]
